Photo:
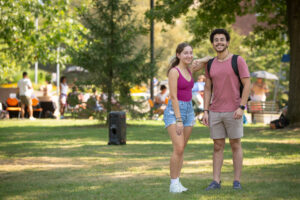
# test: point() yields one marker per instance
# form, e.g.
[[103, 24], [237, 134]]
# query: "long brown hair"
[[175, 61]]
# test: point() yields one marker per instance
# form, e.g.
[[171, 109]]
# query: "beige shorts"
[[25, 100], [222, 125]]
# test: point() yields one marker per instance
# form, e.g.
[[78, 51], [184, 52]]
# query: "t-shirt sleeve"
[[243, 68]]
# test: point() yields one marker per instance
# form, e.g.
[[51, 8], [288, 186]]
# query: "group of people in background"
[[26, 94]]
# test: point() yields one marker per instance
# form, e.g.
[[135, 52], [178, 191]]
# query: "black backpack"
[[234, 67]]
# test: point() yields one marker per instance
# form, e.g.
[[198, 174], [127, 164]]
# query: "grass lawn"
[[70, 159]]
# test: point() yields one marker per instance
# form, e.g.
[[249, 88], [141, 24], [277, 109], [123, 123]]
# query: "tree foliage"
[[276, 20], [111, 55], [22, 44]]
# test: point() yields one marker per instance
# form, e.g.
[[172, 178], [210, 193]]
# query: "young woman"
[[179, 115]]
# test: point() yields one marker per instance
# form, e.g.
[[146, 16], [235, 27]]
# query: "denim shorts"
[[186, 112]]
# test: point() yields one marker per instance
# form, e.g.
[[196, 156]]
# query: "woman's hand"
[[179, 128]]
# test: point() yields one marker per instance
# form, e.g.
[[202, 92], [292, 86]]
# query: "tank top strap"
[[189, 71], [178, 71]]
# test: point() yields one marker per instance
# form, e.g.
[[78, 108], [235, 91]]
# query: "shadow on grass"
[[144, 141], [262, 182], [148, 151]]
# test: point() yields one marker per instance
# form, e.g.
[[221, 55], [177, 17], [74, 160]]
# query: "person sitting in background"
[[73, 97], [3, 113], [259, 90], [282, 121], [94, 101], [47, 89], [160, 100]]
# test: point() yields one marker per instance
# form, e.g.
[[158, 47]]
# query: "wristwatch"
[[242, 107]]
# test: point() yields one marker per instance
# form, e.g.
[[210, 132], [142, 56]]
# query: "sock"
[[176, 180]]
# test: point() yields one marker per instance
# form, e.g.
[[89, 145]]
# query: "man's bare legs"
[[237, 157], [30, 110], [219, 145]]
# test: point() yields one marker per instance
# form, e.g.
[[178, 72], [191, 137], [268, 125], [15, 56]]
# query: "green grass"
[[70, 159]]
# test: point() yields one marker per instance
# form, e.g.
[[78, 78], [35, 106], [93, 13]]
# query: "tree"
[[110, 55], [21, 44], [276, 18]]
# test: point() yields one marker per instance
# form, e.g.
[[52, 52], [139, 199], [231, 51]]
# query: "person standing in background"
[[259, 90], [25, 91], [63, 95]]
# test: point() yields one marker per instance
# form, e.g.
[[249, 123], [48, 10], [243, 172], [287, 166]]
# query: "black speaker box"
[[117, 128]]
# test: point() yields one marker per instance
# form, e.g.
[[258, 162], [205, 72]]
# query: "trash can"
[[117, 128]]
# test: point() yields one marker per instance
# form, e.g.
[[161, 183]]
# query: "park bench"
[[261, 108]]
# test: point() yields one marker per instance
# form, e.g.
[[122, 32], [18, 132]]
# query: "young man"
[[25, 90], [224, 114]]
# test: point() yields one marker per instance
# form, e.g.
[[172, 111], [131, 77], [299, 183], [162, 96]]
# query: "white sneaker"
[[31, 118], [184, 189], [175, 188]]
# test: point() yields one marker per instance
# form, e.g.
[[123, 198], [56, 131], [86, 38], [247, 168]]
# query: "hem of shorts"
[[225, 137], [166, 126], [222, 111], [184, 101]]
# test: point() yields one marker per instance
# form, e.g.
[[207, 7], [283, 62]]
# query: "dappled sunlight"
[[289, 159], [71, 159], [49, 123], [276, 141]]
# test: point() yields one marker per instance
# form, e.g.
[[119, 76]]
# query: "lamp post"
[[36, 62], [58, 81], [151, 51]]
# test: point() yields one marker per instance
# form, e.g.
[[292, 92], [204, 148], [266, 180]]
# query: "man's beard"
[[221, 51]]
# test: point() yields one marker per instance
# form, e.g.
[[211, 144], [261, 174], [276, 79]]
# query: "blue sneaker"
[[237, 185], [214, 185]]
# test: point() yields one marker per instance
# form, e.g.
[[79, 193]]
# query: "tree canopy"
[[278, 24], [22, 41], [111, 55]]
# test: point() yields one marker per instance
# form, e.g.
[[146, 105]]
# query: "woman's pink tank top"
[[184, 87]]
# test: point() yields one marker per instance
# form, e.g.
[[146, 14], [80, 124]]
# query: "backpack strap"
[[236, 71], [208, 69], [235, 66], [209, 65]]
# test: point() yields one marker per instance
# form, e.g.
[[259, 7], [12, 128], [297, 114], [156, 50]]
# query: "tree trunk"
[[293, 13], [110, 62]]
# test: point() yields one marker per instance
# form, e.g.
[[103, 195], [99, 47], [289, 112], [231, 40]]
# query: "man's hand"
[[205, 119], [199, 63], [179, 128], [238, 114], [196, 65]]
